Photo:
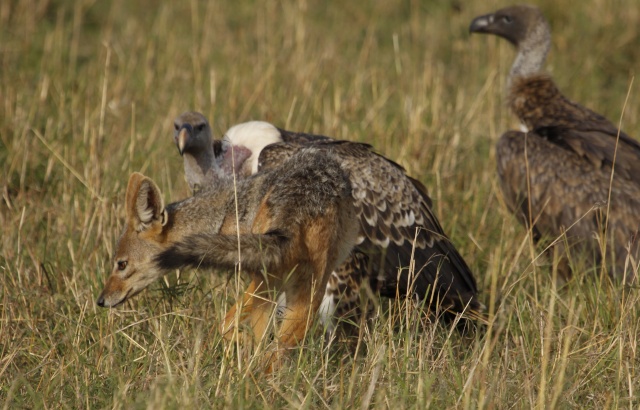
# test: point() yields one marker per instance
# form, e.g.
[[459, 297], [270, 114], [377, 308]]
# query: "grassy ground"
[[88, 93]]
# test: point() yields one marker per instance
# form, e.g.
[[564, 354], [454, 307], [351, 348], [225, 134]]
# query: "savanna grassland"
[[89, 90]]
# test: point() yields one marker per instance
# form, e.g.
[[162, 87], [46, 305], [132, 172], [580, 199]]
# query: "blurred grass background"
[[89, 90]]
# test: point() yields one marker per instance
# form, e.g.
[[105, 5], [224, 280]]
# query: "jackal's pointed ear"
[[144, 202]]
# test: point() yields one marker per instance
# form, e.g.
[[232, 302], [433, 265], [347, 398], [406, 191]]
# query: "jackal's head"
[[141, 240]]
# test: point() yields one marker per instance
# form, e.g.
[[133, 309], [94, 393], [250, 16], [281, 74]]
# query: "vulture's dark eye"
[[199, 127], [122, 265], [176, 126], [507, 19]]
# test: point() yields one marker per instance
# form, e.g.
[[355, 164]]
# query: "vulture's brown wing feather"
[[569, 178], [541, 106], [399, 228], [275, 154], [301, 138]]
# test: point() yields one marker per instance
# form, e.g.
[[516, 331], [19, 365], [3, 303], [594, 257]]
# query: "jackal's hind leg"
[[302, 306], [255, 310]]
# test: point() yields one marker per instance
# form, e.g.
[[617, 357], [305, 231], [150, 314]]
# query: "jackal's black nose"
[[101, 301]]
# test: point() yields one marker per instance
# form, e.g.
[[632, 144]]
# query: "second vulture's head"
[[518, 24], [192, 133]]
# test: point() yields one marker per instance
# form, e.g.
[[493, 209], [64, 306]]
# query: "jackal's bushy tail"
[[257, 251]]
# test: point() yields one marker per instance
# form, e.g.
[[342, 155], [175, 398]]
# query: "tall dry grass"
[[89, 90]]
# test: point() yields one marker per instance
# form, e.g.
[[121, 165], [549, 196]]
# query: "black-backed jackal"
[[294, 225]]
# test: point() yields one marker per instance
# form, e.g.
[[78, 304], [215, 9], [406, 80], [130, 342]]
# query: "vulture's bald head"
[[526, 28], [192, 133], [518, 24]]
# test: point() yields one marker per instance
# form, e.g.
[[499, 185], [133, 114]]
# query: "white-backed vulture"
[[572, 174]]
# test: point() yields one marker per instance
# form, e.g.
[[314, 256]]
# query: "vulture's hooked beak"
[[479, 24], [184, 133]]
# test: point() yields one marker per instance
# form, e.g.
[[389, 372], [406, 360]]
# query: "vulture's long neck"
[[532, 52]]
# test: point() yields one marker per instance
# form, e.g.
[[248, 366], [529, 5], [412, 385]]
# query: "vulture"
[[401, 250], [571, 175]]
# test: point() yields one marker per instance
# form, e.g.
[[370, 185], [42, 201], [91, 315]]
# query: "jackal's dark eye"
[[122, 265]]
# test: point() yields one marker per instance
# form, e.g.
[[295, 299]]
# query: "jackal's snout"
[[114, 292]]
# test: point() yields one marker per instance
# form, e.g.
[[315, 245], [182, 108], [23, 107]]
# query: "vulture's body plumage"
[[572, 172], [401, 251]]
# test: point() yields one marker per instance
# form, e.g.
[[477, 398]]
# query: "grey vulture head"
[[194, 140], [526, 28]]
